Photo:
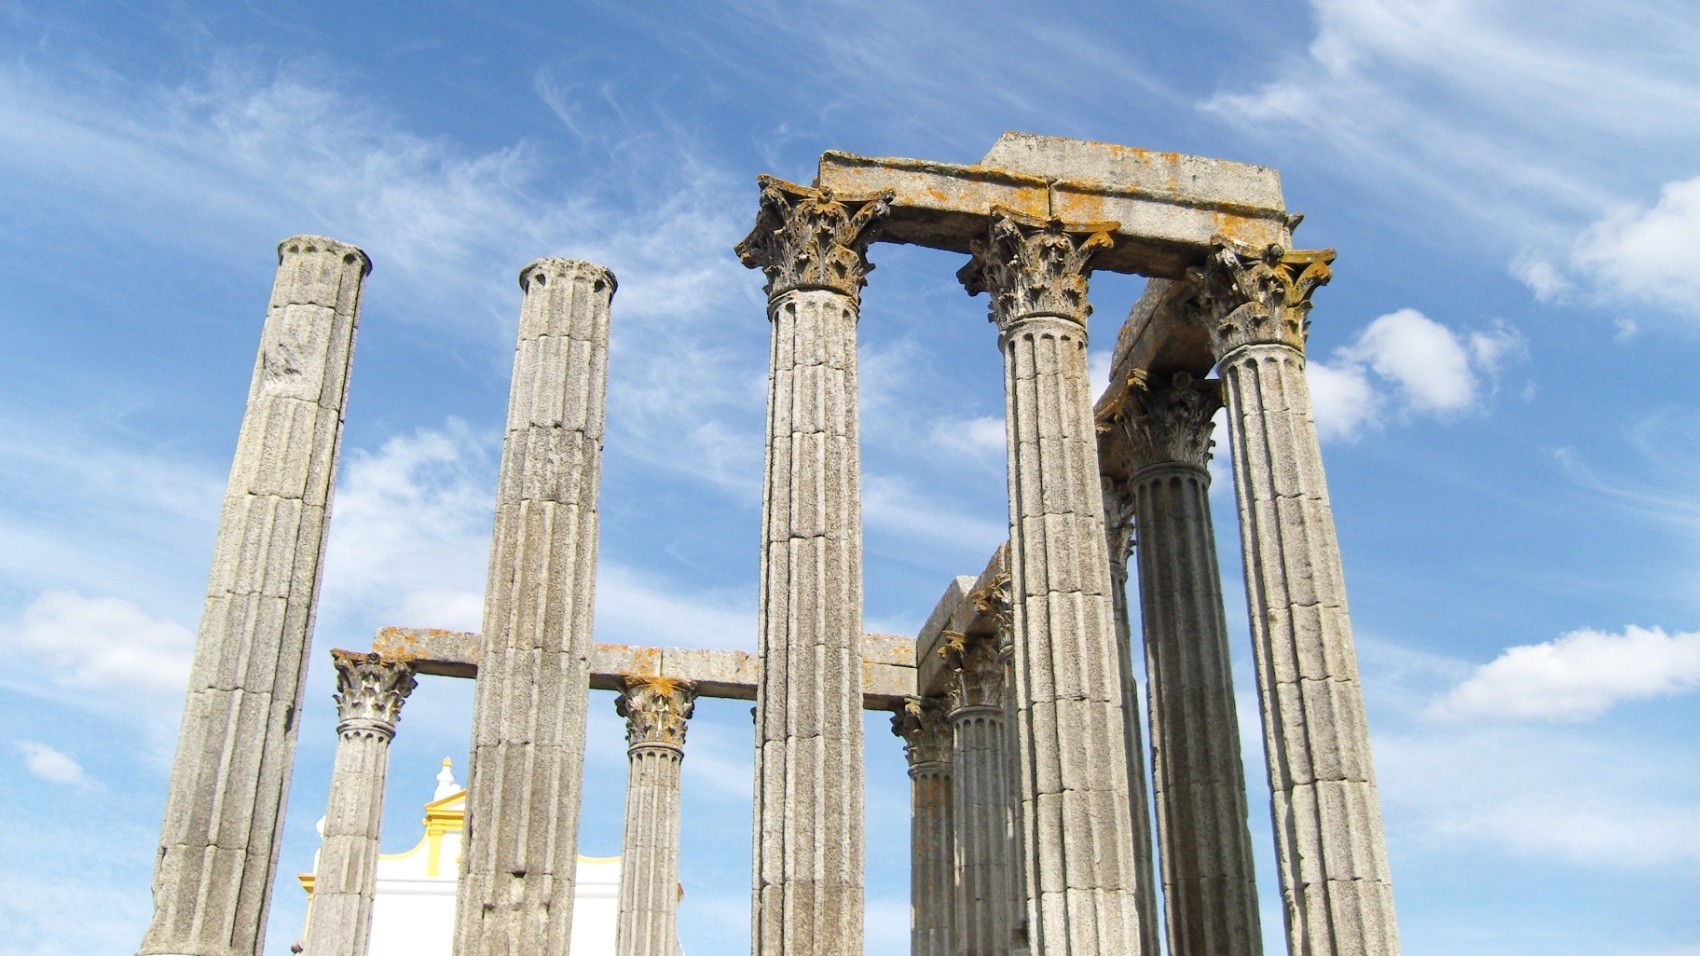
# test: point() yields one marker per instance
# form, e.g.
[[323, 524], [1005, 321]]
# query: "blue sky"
[[1503, 369]]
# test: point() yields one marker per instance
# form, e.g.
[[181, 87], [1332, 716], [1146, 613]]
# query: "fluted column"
[[524, 783], [657, 712], [994, 601], [370, 694], [1081, 882], [224, 812], [1330, 845], [986, 902], [1118, 539], [932, 852], [1208, 886], [808, 888]]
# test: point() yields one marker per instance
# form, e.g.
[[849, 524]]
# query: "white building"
[[413, 909]]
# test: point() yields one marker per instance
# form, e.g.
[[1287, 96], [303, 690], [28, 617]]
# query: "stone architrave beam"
[[1167, 208], [888, 664]]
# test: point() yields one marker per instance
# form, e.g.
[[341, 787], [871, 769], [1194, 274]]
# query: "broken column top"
[[1167, 207]]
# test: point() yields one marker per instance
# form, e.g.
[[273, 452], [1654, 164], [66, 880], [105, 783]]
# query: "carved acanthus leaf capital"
[[1249, 295], [995, 601], [370, 691], [1035, 267], [657, 710], [1169, 421], [922, 724], [976, 674], [1118, 523], [809, 238]]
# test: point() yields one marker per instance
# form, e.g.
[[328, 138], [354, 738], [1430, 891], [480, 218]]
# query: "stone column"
[[371, 692], [1081, 881], [808, 890], [986, 900], [1208, 887], [1330, 846], [523, 786], [1118, 539], [657, 711], [224, 812], [932, 853], [993, 600]]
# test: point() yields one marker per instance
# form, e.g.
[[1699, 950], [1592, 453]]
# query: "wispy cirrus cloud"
[[1512, 117]]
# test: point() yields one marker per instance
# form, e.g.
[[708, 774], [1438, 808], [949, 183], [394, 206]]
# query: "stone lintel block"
[[930, 669], [1167, 206], [429, 650], [1158, 339], [888, 663]]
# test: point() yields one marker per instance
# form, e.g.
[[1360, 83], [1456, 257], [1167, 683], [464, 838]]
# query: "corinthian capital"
[[1035, 267], [657, 710], [1168, 422], [808, 238], [994, 600], [977, 678], [926, 735], [370, 691], [1254, 295]]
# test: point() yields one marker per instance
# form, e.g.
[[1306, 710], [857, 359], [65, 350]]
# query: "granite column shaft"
[[987, 904], [525, 780], [1331, 848], [808, 859], [932, 862], [1119, 537], [224, 811], [369, 699], [1081, 881], [1208, 885]]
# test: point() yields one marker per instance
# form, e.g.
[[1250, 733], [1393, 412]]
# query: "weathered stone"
[[926, 737], [224, 812], [521, 850], [888, 663], [811, 244], [1208, 887], [1080, 882], [1167, 208], [988, 907], [657, 712], [1119, 537], [371, 691], [1331, 849]]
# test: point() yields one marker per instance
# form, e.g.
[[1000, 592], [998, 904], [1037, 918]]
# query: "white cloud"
[[1342, 400], [1541, 276], [99, 651], [978, 439], [1577, 676], [1646, 254], [410, 528], [54, 766], [1423, 358], [1430, 368]]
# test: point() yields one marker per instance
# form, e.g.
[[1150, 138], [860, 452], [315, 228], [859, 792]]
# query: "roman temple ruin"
[[1015, 700]]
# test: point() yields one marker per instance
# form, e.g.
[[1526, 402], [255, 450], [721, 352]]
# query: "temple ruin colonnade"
[[1015, 699]]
